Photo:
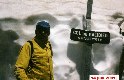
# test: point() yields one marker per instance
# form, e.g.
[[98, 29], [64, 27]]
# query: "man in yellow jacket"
[[36, 65]]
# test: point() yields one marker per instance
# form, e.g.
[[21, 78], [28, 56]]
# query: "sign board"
[[90, 36]]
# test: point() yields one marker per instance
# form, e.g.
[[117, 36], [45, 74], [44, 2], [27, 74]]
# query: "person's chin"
[[45, 39]]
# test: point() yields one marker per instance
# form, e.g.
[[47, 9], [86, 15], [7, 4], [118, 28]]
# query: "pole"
[[87, 56]]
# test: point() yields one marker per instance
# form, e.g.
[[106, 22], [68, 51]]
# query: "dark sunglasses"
[[44, 31]]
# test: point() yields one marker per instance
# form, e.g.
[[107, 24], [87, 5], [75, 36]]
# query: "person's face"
[[43, 33]]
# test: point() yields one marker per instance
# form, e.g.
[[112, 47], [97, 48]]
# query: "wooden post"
[[87, 55]]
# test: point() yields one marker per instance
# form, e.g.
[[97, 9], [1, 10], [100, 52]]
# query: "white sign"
[[104, 77]]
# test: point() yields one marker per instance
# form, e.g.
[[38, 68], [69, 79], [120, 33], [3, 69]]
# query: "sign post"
[[89, 37], [87, 64]]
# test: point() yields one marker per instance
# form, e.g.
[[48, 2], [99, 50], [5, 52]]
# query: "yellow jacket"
[[41, 67]]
